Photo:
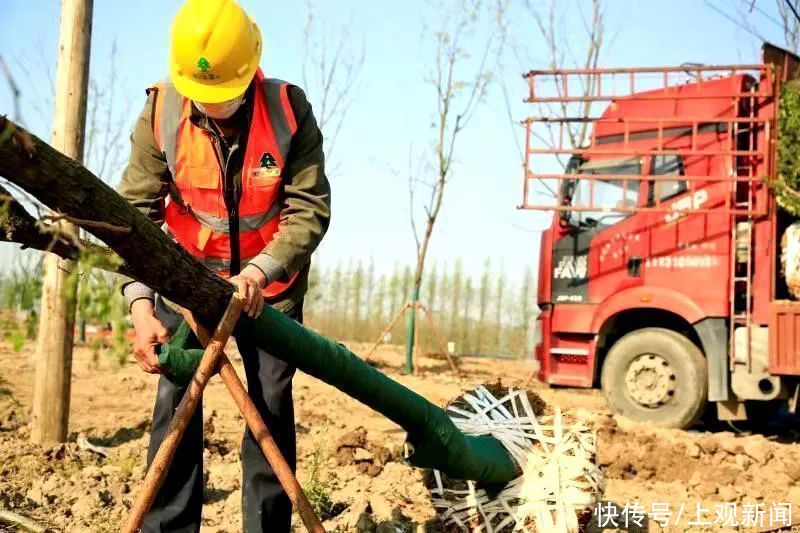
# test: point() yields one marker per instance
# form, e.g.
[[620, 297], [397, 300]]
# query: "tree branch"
[[335, 78], [65, 186], [411, 201], [18, 226], [452, 94], [82, 222], [15, 92]]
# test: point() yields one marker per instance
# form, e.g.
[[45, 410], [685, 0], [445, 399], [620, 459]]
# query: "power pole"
[[54, 342]]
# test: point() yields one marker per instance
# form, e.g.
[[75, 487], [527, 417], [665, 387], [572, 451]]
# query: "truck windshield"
[[606, 196]]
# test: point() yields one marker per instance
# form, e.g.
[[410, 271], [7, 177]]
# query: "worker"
[[230, 164]]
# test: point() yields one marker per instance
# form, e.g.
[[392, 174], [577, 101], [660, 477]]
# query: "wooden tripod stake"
[[261, 433], [429, 318], [213, 358]]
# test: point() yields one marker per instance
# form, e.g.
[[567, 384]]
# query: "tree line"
[[490, 314]]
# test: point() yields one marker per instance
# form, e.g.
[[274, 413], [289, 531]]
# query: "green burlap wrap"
[[434, 440], [181, 356]]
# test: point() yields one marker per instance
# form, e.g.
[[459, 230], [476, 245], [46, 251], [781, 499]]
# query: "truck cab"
[[658, 274]]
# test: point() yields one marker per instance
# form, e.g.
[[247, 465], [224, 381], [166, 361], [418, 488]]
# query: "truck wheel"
[[656, 375]]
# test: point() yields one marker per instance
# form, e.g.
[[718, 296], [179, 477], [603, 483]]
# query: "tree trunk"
[[63, 185], [54, 341], [411, 331], [416, 286], [150, 257]]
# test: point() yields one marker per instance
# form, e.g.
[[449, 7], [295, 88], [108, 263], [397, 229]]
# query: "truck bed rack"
[[698, 102]]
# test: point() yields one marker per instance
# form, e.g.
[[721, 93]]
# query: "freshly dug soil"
[[498, 390], [77, 490], [352, 448]]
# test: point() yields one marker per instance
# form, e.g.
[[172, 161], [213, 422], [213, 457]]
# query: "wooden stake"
[[183, 414], [269, 448], [415, 347], [530, 378], [387, 329], [54, 342], [261, 433], [439, 338]]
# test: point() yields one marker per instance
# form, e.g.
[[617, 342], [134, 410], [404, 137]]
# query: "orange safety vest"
[[197, 217]]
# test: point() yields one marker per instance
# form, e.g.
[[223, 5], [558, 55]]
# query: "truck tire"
[[656, 375]]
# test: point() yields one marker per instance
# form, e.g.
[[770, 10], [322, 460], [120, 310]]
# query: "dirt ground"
[[695, 479]]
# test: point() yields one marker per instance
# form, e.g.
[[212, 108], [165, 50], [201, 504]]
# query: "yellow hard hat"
[[215, 50]]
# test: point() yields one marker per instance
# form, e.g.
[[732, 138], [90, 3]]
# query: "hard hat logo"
[[204, 73]]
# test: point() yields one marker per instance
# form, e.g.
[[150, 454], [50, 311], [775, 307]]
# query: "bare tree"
[[15, 92], [107, 123], [790, 21], [562, 55], [37, 82], [460, 84], [751, 17], [107, 126], [564, 49], [331, 68]]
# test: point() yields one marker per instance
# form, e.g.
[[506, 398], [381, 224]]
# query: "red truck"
[[660, 274]]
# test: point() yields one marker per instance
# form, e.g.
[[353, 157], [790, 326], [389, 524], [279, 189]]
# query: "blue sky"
[[393, 105]]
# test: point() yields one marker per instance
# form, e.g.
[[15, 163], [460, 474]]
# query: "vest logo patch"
[[269, 167]]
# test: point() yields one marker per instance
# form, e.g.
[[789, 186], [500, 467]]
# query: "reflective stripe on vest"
[[273, 92], [170, 105], [219, 265], [246, 223], [195, 214]]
